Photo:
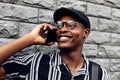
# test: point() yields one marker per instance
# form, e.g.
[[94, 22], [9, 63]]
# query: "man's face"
[[71, 37]]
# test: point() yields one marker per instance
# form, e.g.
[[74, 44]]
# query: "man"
[[67, 63]]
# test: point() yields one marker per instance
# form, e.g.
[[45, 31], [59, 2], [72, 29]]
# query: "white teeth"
[[63, 38]]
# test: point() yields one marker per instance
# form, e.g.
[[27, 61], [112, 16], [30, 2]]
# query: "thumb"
[[50, 43]]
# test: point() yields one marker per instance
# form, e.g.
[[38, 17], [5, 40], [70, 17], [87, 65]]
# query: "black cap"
[[78, 15]]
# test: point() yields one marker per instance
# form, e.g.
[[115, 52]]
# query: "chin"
[[64, 46], [65, 49]]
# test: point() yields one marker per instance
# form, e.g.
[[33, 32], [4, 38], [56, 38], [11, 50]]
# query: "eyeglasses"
[[71, 24]]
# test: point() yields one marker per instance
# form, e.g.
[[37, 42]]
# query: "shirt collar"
[[56, 59]]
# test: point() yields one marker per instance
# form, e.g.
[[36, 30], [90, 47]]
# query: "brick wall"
[[18, 17]]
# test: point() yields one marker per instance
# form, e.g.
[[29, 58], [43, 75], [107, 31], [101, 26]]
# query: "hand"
[[2, 73], [37, 34]]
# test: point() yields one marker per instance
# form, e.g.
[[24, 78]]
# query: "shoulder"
[[44, 55], [98, 70], [21, 59]]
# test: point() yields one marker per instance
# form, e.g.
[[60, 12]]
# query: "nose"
[[64, 28]]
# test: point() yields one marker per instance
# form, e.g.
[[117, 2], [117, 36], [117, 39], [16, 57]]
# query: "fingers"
[[44, 29], [50, 43], [2, 73], [48, 25], [41, 28], [38, 35], [45, 26]]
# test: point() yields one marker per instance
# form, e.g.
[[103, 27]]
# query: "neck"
[[73, 58]]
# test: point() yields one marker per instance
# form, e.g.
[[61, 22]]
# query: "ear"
[[86, 32]]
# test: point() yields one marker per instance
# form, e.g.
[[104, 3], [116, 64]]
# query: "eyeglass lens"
[[70, 24]]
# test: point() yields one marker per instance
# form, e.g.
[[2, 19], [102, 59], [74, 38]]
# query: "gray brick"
[[111, 3], [18, 13], [90, 50], [115, 14], [109, 51], [80, 5], [94, 23], [96, 1], [105, 25], [41, 3], [115, 65], [25, 28], [10, 1], [8, 29], [98, 37], [115, 39], [44, 16], [115, 75], [98, 10], [109, 26], [115, 28]]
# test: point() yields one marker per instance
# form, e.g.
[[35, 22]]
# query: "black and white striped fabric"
[[39, 66]]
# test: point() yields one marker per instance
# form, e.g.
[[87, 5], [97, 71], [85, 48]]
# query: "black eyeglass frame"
[[71, 24]]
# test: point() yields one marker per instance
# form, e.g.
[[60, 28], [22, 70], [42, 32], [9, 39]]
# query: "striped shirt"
[[39, 66]]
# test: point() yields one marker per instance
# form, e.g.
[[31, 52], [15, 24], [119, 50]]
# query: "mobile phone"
[[51, 35]]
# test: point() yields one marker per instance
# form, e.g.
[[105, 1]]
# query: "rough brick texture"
[[18, 17]]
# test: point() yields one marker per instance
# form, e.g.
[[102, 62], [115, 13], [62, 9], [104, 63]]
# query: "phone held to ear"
[[51, 35]]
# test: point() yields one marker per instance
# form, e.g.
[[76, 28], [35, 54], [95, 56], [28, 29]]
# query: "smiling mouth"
[[64, 38]]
